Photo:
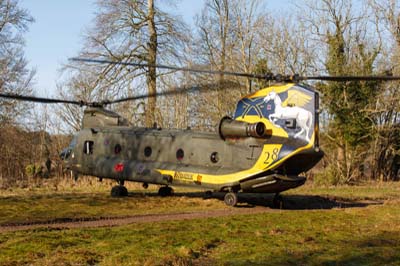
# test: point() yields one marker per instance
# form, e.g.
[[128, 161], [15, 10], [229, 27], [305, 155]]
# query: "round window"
[[147, 151], [117, 149], [180, 154], [214, 157]]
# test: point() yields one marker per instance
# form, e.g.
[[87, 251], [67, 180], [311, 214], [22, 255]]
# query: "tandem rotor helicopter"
[[264, 148]]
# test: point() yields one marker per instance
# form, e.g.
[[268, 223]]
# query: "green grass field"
[[365, 232]]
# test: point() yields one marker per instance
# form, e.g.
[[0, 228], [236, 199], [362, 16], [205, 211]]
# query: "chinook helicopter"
[[264, 148]]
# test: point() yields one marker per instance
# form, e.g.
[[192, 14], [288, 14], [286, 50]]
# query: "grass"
[[368, 235], [338, 237], [85, 201], [41, 208], [366, 191], [73, 202]]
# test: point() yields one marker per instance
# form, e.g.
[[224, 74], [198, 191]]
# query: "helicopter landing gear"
[[231, 199], [119, 190], [277, 202], [165, 191]]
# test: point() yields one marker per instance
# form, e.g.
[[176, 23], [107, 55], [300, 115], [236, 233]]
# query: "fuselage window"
[[214, 157], [88, 147], [147, 151], [180, 154], [117, 149]]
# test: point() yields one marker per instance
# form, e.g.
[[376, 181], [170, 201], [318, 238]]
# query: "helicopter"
[[272, 138]]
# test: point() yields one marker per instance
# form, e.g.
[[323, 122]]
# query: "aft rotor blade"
[[40, 99], [184, 69], [350, 78], [267, 77], [179, 90]]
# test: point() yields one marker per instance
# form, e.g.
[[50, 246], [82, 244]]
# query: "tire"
[[231, 199], [119, 191], [277, 202], [165, 191]]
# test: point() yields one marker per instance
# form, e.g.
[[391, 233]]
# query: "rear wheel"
[[165, 191], [231, 199], [277, 202]]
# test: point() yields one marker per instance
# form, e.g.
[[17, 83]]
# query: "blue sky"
[[57, 33]]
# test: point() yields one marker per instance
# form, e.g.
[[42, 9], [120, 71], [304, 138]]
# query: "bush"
[[330, 176]]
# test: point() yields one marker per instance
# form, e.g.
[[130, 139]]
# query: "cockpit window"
[[65, 154], [251, 106], [73, 141]]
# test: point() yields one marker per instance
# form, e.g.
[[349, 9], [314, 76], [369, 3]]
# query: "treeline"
[[27, 157], [359, 120]]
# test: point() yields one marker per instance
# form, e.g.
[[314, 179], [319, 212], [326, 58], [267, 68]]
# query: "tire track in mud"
[[118, 221]]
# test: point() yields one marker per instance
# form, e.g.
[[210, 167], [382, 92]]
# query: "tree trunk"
[[151, 60], [224, 27]]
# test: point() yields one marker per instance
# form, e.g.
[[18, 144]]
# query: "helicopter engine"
[[95, 117], [229, 128]]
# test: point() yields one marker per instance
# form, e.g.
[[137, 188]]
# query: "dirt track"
[[117, 221]]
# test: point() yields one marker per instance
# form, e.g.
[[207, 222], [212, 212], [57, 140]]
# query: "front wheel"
[[119, 191], [231, 199]]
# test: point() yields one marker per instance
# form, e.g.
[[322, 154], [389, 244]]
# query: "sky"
[[57, 33]]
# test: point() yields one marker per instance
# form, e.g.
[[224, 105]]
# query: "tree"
[[215, 40], [129, 31], [15, 77], [228, 38], [385, 147], [249, 25], [152, 60], [288, 46], [343, 32]]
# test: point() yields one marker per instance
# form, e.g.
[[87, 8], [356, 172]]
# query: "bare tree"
[[152, 60], [229, 38], [129, 31], [15, 77], [288, 46], [250, 23], [215, 40]]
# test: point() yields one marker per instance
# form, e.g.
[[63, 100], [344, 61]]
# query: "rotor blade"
[[40, 99], [179, 90], [267, 77], [185, 69], [350, 78]]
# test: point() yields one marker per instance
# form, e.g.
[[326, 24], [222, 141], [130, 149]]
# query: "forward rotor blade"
[[179, 90], [40, 99]]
